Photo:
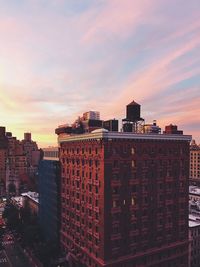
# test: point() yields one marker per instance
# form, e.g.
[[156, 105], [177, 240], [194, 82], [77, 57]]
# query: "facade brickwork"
[[123, 201]]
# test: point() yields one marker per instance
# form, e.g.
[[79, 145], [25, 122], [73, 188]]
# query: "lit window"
[[133, 163], [132, 150], [132, 201]]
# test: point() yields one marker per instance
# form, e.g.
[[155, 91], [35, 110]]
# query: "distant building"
[[111, 125], [194, 193], [194, 226], [18, 163], [194, 163], [49, 194], [32, 153], [16, 167], [31, 202], [124, 196], [194, 241], [28, 200], [3, 158], [91, 115], [172, 129]]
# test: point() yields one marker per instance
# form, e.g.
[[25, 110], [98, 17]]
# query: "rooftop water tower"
[[133, 122]]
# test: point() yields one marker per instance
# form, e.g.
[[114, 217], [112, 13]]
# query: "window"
[[132, 201], [96, 189], [115, 190], [132, 150], [115, 163], [133, 163], [90, 188], [114, 203], [115, 176]]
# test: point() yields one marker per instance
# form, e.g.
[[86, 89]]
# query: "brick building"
[[18, 163], [194, 163], [3, 157], [124, 198], [31, 152]]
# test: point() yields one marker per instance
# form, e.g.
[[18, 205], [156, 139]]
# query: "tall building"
[[124, 197], [3, 157], [195, 162], [16, 166], [49, 194], [32, 153], [18, 163]]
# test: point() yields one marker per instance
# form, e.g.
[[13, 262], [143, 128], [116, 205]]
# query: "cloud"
[[115, 19], [60, 58]]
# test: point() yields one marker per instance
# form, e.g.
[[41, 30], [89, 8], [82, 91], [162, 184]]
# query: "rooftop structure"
[[50, 153], [194, 190], [91, 115], [172, 129]]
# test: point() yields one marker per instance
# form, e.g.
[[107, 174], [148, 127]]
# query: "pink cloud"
[[157, 76], [118, 18]]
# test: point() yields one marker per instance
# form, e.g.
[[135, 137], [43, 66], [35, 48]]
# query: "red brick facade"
[[124, 201]]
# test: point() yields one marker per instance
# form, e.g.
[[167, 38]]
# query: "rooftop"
[[121, 135], [193, 224], [32, 195], [194, 190], [133, 103], [194, 220]]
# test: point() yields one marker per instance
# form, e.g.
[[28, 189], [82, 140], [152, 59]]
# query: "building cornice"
[[121, 135]]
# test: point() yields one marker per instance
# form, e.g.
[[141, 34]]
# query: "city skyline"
[[61, 58]]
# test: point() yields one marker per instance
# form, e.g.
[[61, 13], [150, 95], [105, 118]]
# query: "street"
[[4, 261], [12, 255]]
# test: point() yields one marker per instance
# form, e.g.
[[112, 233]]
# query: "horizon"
[[61, 58]]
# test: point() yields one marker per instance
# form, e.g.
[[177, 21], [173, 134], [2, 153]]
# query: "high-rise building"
[[16, 166], [32, 153], [49, 194], [3, 157], [18, 163], [124, 197], [194, 163]]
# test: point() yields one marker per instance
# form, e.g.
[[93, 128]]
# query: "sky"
[[59, 58]]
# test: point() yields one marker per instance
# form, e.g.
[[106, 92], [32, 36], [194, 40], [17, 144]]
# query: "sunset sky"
[[59, 58]]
